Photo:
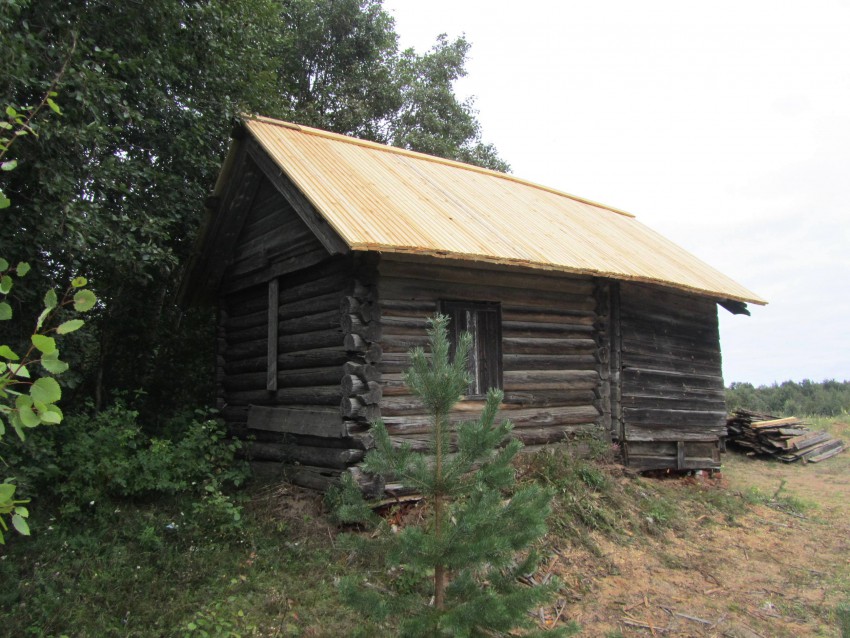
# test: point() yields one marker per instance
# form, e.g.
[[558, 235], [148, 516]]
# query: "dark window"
[[483, 320]]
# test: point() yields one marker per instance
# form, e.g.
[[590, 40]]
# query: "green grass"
[[144, 572], [147, 569]]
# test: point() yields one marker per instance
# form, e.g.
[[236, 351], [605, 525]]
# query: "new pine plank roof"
[[381, 198]]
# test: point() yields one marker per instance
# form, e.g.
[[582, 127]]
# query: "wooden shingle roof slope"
[[385, 199]]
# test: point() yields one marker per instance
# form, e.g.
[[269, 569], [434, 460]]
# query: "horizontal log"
[[661, 321], [548, 398], [470, 276], [525, 345], [290, 235], [404, 325], [250, 320], [677, 402], [516, 362], [235, 337], [395, 344], [248, 350], [704, 313], [247, 267], [423, 289], [325, 320], [571, 316], [398, 405], [309, 306], [666, 418], [636, 379], [672, 363], [287, 344], [654, 350], [319, 395], [550, 380], [654, 296], [247, 302], [319, 422], [546, 330], [393, 385], [528, 436], [357, 436], [239, 382], [317, 456], [276, 266], [400, 361], [310, 340], [680, 433], [319, 479], [332, 282], [687, 337], [407, 308], [294, 378], [560, 434], [313, 358], [536, 417]]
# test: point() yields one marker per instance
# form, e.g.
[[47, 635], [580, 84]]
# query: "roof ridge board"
[[431, 158]]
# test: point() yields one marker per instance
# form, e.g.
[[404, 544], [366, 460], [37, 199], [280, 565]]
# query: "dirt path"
[[768, 572]]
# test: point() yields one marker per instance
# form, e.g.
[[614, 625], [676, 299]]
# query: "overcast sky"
[[724, 125]]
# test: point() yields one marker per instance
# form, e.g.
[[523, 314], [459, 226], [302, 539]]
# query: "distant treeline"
[[790, 398]]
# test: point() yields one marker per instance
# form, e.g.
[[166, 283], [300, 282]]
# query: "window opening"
[[483, 321]]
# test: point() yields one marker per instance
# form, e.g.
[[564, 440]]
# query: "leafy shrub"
[[96, 458]]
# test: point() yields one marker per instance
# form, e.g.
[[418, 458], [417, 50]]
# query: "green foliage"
[[27, 402], [475, 543], [587, 498], [95, 460], [114, 187], [791, 398], [842, 614], [142, 569], [217, 621]]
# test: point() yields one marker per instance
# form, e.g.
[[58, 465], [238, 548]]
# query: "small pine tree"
[[457, 574]]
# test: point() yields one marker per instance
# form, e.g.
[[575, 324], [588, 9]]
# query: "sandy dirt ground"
[[769, 572]]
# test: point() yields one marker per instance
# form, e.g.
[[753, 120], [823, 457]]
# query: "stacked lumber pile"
[[786, 439]]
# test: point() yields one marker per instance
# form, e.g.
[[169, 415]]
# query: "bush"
[[96, 458]]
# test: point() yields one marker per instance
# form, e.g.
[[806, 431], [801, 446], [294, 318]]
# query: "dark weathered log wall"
[[550, 346], [673, 406], [297, 346]]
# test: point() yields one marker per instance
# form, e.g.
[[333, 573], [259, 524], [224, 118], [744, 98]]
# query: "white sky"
[[724, 125]]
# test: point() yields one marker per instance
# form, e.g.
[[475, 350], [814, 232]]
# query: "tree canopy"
[[113, 189]]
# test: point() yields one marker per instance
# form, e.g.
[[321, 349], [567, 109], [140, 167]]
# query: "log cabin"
[[325, 255]]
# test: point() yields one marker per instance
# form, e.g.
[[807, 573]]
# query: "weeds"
[[842, 615], [780, 500]]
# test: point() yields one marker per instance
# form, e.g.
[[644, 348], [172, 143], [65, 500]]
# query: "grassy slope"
[[694, 557]]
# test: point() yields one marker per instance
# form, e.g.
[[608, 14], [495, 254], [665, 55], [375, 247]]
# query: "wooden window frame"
[[483, 320]]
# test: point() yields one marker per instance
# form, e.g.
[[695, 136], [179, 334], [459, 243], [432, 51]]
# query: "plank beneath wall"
[[322, 422]]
